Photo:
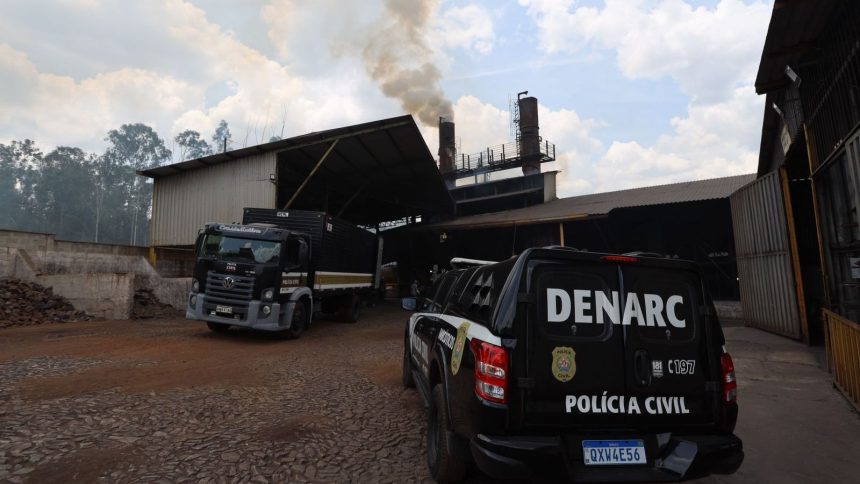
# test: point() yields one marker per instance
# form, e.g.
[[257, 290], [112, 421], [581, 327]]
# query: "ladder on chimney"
[[514, 109]]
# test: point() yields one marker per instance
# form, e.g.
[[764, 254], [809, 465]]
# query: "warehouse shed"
[[366, 173], [689, 220], [798, 224]]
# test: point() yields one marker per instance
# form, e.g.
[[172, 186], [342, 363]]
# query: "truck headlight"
[[268, 294], [193, 301], [195, 286], [267, 310]]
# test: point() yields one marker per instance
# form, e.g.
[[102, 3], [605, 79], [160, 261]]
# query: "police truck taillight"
[[491, 371], [730, 383]]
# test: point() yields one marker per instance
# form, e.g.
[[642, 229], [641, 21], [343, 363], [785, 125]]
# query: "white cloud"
[[708, 51], [173, 55], [263, 94], [469, 27], [51, 107], [80, 3], [712, 141], [711, 53]]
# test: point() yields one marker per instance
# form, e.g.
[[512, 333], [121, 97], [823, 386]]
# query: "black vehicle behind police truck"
[[589, 366], [278, 267]]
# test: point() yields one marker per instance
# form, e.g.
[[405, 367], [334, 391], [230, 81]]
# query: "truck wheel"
[[408, 380], [443, 458], [299, 321], [218, 327]]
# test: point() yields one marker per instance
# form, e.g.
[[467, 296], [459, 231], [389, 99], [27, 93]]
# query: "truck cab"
[[562, 363], [252, 276]]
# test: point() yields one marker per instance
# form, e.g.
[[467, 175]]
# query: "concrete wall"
[[17, 263], [109, 296], [7, 257], [86, 263], [97, 278], [173, 291], [35, 242]]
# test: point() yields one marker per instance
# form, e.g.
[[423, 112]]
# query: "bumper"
[[278, 320], [670, 457]]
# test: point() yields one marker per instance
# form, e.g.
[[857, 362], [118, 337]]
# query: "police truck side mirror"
[[409, 303]]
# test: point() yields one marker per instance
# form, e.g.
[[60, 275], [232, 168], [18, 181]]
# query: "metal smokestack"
[[447, 152], [529, 135]]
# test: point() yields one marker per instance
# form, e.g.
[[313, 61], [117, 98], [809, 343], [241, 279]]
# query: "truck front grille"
[[236, 294]]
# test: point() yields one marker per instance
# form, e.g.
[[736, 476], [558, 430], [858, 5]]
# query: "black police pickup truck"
[[561, 363]]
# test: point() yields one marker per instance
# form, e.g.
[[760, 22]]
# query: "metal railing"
[[842, 341], [500, 157]]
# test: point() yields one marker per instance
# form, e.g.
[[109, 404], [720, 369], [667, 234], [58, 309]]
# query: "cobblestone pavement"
[[167, 401]]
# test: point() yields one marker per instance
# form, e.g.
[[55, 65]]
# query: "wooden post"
[[795, 256], [352, 198], [812, 158], [311, 174], [153, 257], [561, 234]]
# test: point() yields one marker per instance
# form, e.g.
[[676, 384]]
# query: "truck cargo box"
[[336, 245]]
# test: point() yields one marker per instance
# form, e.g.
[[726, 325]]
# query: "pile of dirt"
[[147, 306], [25, 303]]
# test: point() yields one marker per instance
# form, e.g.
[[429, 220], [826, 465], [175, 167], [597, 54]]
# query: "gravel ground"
[[167, 401]]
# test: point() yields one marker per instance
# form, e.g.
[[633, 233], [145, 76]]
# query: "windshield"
[[237, 249]]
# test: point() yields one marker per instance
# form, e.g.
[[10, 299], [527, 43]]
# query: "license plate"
[[613, 452], [224, 309]]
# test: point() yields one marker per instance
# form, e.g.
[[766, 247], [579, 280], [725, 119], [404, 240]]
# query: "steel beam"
[[311, 174]]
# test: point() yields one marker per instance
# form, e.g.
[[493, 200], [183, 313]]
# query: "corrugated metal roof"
[[377, 171], [600, 204], [793, 29]]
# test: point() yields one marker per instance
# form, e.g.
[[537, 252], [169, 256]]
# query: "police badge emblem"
[[563, 363], [459, 346]]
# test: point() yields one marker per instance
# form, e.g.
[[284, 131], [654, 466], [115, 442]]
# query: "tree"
[[191, 145], [222, 137], [127, 196], [19, 182], [275, 138], [64, 197], [10, 197]]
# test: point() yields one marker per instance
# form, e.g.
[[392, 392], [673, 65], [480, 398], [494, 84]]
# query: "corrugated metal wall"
[[766, 276], [182, 203]]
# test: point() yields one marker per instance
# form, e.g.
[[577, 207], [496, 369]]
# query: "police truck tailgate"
[[617, 343]]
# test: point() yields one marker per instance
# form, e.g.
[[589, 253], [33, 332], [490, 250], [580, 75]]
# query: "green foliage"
[[82, 196], [222, 138], [191, 146]]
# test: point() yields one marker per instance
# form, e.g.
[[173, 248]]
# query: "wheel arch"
[[439, 375]]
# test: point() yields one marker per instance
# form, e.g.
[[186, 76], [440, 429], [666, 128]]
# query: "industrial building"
[[367, 173], [797, 227], [690, 220], [381, 175]]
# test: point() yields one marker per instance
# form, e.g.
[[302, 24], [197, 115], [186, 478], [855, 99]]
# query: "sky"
[[632, 92]]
